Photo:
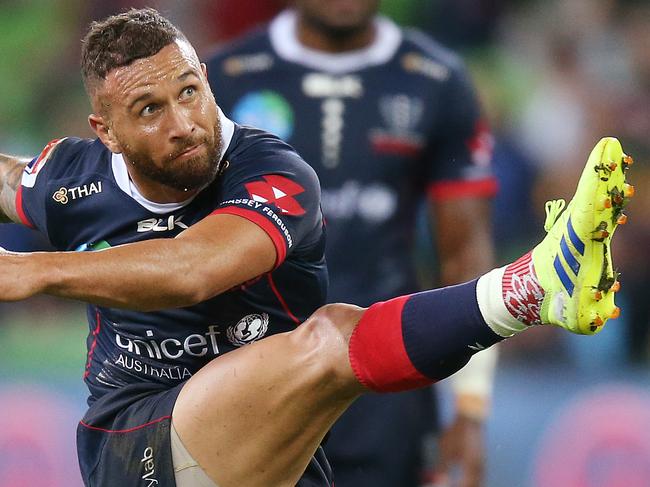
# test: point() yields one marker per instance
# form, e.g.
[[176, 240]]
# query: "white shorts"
[[187, 471]]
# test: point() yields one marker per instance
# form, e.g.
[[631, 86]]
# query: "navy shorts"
[[124, 440]]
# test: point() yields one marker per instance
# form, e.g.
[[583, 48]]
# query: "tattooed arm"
[[11, 169]]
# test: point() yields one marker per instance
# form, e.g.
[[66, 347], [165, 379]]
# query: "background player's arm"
[[11, 170], [209, 258], [464, 240], [465, 249]]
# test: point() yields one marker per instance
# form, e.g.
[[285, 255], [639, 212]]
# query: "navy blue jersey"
[[79, 194], [384, 127]]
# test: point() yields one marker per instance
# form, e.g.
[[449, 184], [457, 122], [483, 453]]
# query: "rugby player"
[[198, 245], [389, 120]]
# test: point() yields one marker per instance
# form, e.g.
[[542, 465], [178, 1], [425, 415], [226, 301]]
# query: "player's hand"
[[462, 449]]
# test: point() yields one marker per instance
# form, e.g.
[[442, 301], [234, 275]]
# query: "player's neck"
[[322, 39]]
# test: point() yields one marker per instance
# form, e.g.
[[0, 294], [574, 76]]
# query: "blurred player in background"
[[388, 119]]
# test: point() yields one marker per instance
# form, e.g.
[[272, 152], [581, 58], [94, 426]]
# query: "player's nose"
[[181, 123]]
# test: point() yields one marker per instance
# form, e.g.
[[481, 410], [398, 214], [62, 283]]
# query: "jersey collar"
[[284, 40], [123, 180]]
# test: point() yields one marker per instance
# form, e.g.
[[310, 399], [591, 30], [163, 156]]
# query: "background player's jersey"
[[382, 127], [81, 197]]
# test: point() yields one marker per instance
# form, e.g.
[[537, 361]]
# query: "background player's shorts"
[[124, 439]]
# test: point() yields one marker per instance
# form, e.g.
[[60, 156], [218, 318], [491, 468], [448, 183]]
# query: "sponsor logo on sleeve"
[[263, 208], [64, 195], [279, 191]]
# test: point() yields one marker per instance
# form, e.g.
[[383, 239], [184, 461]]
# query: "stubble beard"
[[188, 175]]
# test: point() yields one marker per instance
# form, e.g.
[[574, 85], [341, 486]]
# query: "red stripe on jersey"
[[285, 307], [44, 155], [135, 428], [446, 190], [265, 224], [377, 352], [19, 209]]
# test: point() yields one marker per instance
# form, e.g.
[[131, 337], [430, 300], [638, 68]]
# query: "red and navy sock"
[[415, 340]]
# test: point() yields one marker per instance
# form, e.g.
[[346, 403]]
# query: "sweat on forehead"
[[173, 64], [121, 39]]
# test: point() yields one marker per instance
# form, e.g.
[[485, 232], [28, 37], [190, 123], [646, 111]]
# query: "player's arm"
[[210, 257], [11, 169]]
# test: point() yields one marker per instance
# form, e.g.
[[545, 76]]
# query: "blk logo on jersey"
[[64, 195], [279, 191], [161, 224]]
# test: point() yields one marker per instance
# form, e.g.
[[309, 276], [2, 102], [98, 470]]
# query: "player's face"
[[338, 15], [164, 119]]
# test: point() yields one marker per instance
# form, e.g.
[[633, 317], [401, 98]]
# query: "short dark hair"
[[123, 38]]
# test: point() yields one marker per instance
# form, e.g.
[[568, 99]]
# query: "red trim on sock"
[[377, 352]]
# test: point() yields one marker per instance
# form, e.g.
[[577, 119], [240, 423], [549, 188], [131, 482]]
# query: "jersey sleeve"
[[460, 158], [31, 196], [282, 196]]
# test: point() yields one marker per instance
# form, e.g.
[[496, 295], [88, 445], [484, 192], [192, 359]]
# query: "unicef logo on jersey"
[[267, 110], [249, 329]]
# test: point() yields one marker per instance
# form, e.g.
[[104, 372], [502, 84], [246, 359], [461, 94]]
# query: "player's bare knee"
[[324, 338]]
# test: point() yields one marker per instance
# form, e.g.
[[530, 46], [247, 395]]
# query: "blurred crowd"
[[554, 77]]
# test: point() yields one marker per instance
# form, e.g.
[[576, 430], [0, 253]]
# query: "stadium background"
[[554, 75]]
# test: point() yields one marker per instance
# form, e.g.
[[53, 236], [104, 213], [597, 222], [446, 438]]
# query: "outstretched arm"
[[11, 169], [209, 258]]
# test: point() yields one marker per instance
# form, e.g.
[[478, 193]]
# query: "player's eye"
[[188, 92], [149, 110]]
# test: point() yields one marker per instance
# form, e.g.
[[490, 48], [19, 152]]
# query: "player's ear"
[[102, 129], [204, 70]]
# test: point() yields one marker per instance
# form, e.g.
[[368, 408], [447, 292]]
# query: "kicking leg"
[[254, 417]]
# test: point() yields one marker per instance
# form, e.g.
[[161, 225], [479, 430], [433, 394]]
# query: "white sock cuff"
[[489, 294]]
